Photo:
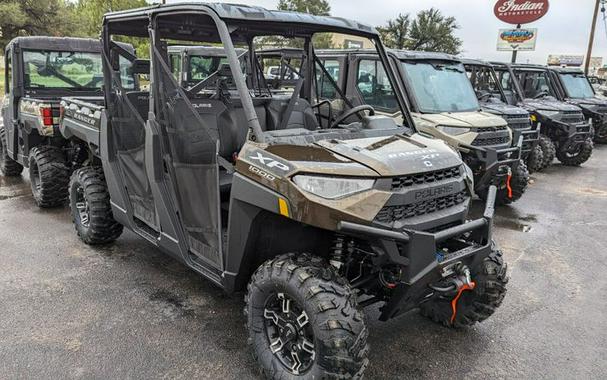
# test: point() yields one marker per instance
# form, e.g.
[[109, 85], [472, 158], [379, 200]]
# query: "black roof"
[[475, 62], [423, 55], [238, 12], [528, 66], [57, 43], [566, 70]]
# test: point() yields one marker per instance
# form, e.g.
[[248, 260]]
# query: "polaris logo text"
[[269, 162], [432, 193]]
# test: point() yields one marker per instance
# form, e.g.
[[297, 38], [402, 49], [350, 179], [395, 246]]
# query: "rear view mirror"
[[140, 66], [43, 71]]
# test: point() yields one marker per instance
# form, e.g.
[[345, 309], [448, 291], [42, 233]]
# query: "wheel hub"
[[82, 206], [289, 334]]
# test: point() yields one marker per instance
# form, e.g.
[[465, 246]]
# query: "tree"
[[35, 17], [395, 34], [90, 13], [313, 7], [429, 31]]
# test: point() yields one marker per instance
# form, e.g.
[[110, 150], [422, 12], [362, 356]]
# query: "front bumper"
[[495, 165], [422, 257], [531, 138], [573, 135]]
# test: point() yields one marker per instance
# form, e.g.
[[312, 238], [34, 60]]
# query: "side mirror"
[[43, 71]]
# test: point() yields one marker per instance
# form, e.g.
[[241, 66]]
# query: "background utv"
[[244, 186], [573, 87], [565, 133], [39, 71]]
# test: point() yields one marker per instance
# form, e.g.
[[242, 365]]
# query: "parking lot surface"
[[129, 311]]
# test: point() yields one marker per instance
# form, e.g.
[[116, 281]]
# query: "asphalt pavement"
[[129, 311]]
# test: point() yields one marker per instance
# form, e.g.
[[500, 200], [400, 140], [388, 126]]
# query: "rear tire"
[[579, 157], [535, 161], [49, 176], [548, 151], [475, 305], [518, 184], [90, 207], [8, 166], [324, 301]]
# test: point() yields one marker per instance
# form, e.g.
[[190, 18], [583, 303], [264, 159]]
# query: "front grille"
[[573, 117], [491, 136], [583, 129], [489, 141], [399, 183], [390, 214], [518, 122]]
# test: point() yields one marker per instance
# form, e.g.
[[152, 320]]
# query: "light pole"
[[591, 41]]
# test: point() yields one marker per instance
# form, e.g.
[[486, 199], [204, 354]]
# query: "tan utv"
[[443, 104]]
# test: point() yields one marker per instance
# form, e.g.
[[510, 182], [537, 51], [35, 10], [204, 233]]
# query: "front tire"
[[304, 321], [600, 134], [49, 176], [535, 161], [518, 183], [475, 305], [90, 207], [8, 166], [582, 155], [548, 151]]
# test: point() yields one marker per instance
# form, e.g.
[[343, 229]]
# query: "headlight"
[[331, 187], [547, 113], [453, 131]]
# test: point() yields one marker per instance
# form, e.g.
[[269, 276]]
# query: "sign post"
[[520, 12]]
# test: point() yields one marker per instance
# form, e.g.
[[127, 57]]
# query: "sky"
[[564, 30]]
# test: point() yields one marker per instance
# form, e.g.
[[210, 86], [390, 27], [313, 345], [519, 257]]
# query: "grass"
[[2, 84]]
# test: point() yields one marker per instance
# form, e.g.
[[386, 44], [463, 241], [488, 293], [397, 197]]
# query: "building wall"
[[350, 42]]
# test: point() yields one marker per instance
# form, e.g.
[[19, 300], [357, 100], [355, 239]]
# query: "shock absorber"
[[337, 251]]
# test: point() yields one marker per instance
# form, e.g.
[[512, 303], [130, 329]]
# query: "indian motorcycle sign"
[[520, 11]]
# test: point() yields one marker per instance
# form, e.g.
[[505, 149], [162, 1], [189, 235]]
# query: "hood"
[[547, 103], [503, 109], [396, 155], [470, 120], [591, 104]]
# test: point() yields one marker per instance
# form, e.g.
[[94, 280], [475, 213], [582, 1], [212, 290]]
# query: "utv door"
[[10, 104], [128, 109], [189, 128]]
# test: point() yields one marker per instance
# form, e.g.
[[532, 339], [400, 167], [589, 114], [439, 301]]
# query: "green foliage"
[[314, 7], [35, 17], [395, 34], [429, 31]]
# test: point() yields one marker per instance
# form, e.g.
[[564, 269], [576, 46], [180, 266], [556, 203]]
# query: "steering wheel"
[[353, 111], [541, 94]]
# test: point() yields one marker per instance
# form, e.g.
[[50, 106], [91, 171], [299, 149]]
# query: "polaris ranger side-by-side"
[[565, 133], [39, 71], [445, 106], [573, 87], [492, 99], [246, 188]]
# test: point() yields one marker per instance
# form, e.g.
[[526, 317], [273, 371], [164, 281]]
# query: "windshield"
[[62, 69], [441, 87], [577, 86], [535, 84], [202, 66]]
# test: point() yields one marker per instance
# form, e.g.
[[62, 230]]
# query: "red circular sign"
[[520, 11]]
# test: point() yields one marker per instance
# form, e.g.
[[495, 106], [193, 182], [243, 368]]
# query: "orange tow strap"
[[459, 294], [508, 186]]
